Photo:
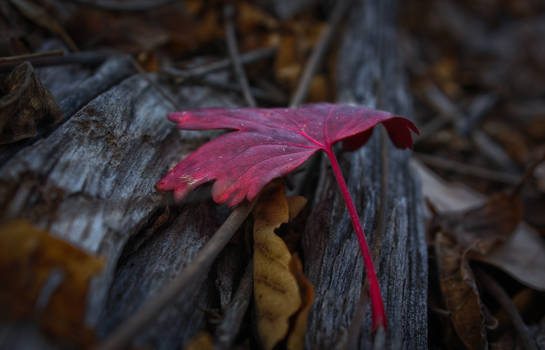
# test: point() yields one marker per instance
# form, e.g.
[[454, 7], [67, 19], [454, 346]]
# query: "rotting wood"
[[368, 62]]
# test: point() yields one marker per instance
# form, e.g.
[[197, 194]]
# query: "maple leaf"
[[269, 143]]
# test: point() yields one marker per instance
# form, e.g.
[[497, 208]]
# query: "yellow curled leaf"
[[276, 291], [296, 338]]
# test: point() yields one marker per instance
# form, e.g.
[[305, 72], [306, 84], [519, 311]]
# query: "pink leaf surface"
[[269, 143]]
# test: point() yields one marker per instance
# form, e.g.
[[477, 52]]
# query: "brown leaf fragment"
[[25, 105], [287, 65], [250, 19], [296, 204], [276, 291], [481, 228], [45, 278], [292, 235], [296, 338], [200, 341], [460, 293], [512, 140], [524, 301], [522, 257]]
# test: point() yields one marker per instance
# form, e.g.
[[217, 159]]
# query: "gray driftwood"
[[91, 182], [370, 74]]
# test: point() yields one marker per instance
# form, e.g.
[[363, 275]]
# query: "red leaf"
[[269, 143]]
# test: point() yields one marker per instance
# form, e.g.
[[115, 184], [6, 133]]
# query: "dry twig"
[[21, 58], [196, 72], [451, 113], [126, 6], [159, 89], [228, 15], [189, 279], [503, 299], [88, 58], [466, 169], [318, 52]]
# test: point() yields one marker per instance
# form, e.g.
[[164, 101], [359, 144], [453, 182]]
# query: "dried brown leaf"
[[288, 63], [292, 235], [26, 107], [296, 338], [44, 277], [522, 257], [296, 204], [445, 196], [250, 19], [481, 228], [524, 301], [276, 291], [200, 341], [319, 89], [460, 293]]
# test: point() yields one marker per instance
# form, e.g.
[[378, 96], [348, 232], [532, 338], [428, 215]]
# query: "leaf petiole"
[[377, 305]]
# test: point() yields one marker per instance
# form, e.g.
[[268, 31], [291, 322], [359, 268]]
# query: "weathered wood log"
[[91, 182], [370, 74]]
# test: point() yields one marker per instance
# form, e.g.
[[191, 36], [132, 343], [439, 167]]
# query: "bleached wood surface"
[[91, 182], [369, 73]]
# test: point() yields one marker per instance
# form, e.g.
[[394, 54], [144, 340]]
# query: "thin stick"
[[159, 89], [187, 280], [529, 172], [129, 6], [503, 299], [91, 58], [29, 56], [442, 104], [466, 169], [492, 150], [228, 329], [201, 70], [228, 15], [318, 52], [381, 222], [256, 92], [430, 128]]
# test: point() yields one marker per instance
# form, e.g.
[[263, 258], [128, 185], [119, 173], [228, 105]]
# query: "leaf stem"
[[377, 305]]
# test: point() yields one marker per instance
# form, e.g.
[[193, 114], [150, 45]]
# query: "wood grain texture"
[[370, 74], [147, 267], [91, 182]]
